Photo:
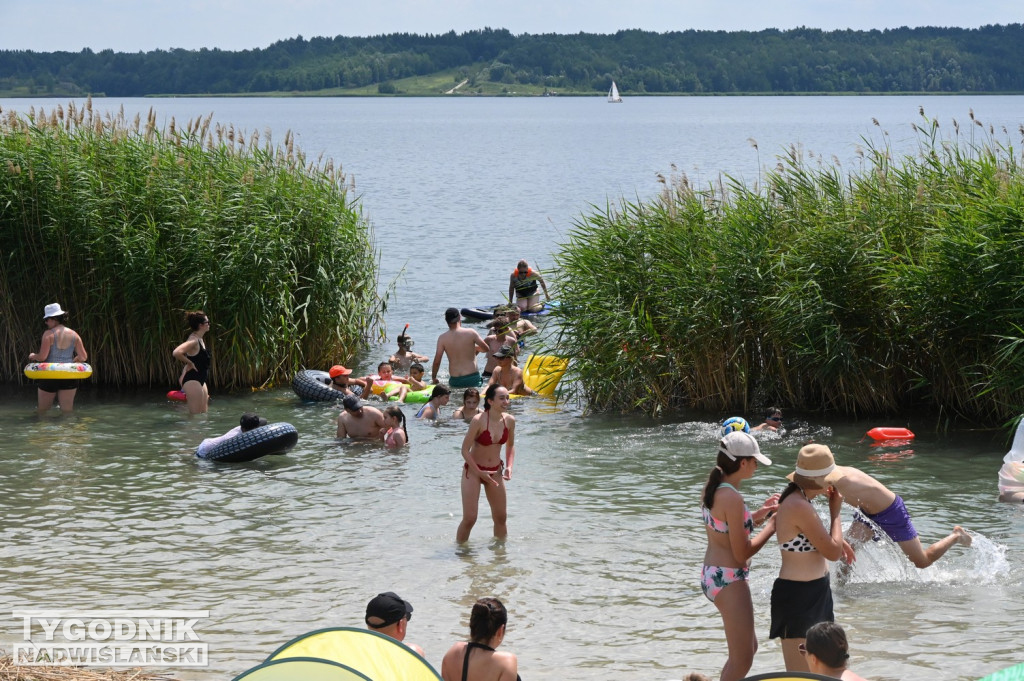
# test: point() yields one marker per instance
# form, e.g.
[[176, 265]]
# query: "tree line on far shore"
[[926, 59]]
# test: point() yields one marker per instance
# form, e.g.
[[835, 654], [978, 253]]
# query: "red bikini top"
[[484, 438]]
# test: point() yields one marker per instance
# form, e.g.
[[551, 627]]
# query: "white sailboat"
[[613, 95]]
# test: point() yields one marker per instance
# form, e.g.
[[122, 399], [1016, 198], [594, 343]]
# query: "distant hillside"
[[987, 59]]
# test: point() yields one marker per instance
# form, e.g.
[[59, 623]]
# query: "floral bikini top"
[[722, 527]]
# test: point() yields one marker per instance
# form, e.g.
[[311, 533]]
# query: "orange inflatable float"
[[883, 433]]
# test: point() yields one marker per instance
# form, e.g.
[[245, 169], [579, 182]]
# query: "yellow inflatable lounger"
[[543, 372], [367, 652], [55, 370]]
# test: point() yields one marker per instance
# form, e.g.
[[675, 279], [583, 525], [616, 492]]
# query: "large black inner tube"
[[273, 438], [315, 386]]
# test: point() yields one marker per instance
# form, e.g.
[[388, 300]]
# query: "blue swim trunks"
[[894, 521]]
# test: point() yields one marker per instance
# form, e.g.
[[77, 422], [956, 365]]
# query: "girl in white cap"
[[59, 344], [727, 560]]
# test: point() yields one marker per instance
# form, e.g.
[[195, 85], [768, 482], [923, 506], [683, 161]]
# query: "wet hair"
[[416, 365], [827, 642], [439, 391], [489, 394], [771, 411], [488, 615], [470, 392], [724, 466], [396, 411], [522, 263], [403, 339], [195, 319]]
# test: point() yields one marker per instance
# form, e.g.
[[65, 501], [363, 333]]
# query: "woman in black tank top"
[[196, 358]]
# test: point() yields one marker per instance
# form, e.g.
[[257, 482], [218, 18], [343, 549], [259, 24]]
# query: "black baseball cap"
[[386, 609], [352, 403]]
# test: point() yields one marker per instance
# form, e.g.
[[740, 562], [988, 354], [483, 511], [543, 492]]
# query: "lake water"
[[108, 509]]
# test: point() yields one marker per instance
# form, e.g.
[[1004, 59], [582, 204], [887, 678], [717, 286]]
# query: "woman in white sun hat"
[[802, 594], [59, 344]]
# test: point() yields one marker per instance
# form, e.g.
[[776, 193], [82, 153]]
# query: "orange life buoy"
[[884, 433]]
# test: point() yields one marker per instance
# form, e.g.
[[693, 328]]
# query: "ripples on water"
[[108, 508], [600, 573]]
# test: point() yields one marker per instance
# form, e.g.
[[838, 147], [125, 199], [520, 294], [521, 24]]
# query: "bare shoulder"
[[509, 665], [451, 663]]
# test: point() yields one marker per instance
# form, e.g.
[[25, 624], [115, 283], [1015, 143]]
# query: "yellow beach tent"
[[378, 657]]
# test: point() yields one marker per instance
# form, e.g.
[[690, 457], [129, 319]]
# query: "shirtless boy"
[[874, 500], [460, 345]]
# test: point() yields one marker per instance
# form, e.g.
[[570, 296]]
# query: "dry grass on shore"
[[15, 672]]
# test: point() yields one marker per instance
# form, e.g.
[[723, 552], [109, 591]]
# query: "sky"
[[143, 25]]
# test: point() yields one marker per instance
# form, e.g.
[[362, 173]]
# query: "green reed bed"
[[128, 226], [896, 287]]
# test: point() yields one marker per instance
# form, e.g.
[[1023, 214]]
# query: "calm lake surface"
[[109, 509]]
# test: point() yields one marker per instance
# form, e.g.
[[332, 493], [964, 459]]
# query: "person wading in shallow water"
[[461, 346], [59, 344], [481, 449]]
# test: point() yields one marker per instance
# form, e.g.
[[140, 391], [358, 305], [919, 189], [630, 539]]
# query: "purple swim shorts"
[[894, 521]]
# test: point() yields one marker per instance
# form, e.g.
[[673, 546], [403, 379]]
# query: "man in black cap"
[[388, 614], [360, 421]]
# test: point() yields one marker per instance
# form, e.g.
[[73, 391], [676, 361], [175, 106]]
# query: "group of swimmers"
[[491, 426], [801, 595]]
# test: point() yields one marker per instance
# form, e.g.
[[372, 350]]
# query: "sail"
[[613, 94]]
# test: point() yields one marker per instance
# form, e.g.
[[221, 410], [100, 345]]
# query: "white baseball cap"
[[738, 444]]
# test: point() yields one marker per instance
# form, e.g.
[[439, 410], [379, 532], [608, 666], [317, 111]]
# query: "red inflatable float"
[[883, 433], [176, 395]]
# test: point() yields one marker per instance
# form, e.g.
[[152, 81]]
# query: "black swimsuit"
[[201, 360], [465, 661]]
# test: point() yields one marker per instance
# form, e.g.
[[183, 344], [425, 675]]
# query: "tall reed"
[[128, 225], [896, 287]]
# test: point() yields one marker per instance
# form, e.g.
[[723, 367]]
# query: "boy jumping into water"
[[874, 500]]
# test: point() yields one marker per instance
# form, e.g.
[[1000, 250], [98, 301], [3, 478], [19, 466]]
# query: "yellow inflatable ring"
[[42, 371]]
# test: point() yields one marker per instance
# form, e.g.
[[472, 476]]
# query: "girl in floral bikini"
[[726, 562]]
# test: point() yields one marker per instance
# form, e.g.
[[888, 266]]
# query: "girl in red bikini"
[[481, 449]]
